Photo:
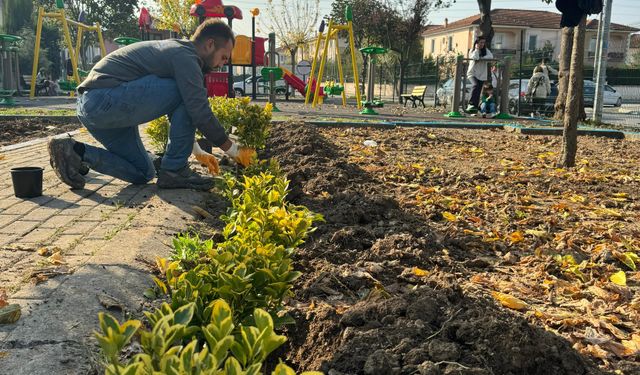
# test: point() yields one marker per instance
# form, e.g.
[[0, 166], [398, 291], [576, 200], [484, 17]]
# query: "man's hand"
[[206, 159], [242, 155]]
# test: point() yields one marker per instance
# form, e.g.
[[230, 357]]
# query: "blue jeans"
[[491, 109], [113, 115]]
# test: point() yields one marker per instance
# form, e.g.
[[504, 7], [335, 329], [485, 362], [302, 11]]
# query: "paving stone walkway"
[[107, 234]]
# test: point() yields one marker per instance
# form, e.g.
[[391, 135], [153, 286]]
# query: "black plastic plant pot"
[[27, 182]]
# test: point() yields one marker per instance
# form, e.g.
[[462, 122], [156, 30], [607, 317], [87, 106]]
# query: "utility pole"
[[596, 60], [602, 68]]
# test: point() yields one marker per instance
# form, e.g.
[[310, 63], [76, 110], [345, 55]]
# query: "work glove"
[[242, 155], [206, 159]]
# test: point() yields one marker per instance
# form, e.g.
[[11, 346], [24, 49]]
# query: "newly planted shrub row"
[[226, 298], [248, 122]]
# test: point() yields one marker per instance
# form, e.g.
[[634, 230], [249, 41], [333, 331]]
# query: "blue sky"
[[624, 11]]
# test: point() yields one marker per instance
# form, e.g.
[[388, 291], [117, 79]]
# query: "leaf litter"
[[556, 247]]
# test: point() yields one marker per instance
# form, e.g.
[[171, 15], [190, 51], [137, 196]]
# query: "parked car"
[[246, 87], [610, 96], [444, 94]]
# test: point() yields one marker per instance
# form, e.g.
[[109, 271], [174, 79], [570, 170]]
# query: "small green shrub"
[[188, 248], [158, 132], [171, 346], [249, 122]]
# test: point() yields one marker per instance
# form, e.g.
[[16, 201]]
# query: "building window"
[[592, 48], [450, 43], [533, 42], [498, 40], [433, 45]]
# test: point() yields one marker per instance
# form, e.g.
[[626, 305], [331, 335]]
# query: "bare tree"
[[566, 45], [405, 20], [293, 22], [574, 95], [486, 25]]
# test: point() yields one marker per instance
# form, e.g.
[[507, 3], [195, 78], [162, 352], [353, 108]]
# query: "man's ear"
[[211, 44]]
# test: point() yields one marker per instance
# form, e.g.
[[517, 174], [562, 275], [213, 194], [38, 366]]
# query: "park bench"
[[41, 89], [417, 95]]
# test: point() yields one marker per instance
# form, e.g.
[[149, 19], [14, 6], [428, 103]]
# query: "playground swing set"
[[73, 80], [248, 52], [327, 43]]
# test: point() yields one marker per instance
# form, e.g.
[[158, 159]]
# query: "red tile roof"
[[538, 19]]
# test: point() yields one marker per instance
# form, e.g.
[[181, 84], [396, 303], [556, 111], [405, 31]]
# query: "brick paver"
[[61, 219]]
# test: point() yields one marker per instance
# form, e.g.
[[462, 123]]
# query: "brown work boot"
[[66, 163]]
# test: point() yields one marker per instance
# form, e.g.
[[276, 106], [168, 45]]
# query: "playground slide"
[[294, 81]]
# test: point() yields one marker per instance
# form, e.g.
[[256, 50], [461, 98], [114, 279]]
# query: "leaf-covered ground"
[[488, 212], [562, 245]]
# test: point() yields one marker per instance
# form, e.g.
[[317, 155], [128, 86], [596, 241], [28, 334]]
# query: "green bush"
[[172, 346], [249, 122], [158, 132]]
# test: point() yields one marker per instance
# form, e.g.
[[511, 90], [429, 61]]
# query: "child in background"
[[488, 105]]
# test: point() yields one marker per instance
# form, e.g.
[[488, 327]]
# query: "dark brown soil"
[[362, 305], [16, 131]]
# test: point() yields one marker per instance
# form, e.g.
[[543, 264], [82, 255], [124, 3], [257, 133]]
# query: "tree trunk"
[[566, 47], [401, 81], [574, 93], [486, 25], [293, 51]]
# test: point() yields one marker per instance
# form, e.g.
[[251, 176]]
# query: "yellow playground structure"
[[330, 87], [73, 52]]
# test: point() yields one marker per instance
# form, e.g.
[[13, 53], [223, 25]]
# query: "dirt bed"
[[16, 131], [422, 228]]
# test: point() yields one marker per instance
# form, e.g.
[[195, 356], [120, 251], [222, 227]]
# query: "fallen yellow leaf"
[[632, 347], [516, 237], [449, 216], [420, 272], [536, 233], [619, 278], [43, 251], [509, 301], [56, 258]]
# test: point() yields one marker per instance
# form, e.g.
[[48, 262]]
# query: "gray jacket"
[[170, 58], [543, 87]]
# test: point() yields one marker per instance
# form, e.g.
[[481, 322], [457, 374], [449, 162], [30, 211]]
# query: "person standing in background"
[[478, 70]]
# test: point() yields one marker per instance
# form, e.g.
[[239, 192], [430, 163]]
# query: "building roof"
[[538, 19]]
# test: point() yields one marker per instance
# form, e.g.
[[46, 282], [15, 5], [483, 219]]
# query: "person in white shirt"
[[477, 72]]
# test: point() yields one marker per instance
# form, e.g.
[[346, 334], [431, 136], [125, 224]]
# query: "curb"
[[606, 133], [37, 141], [41, 117]]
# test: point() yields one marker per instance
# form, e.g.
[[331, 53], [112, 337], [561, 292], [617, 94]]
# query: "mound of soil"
[[380, 291], [16, 131]]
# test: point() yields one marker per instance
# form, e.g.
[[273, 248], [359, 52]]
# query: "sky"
[[626, 12]]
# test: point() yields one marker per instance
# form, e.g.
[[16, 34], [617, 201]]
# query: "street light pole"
[[602, 71]]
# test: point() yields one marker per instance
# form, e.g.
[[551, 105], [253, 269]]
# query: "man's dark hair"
[[544, 60], [216, 30]]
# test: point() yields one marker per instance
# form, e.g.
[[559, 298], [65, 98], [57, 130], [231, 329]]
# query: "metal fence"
[[621, 96]]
